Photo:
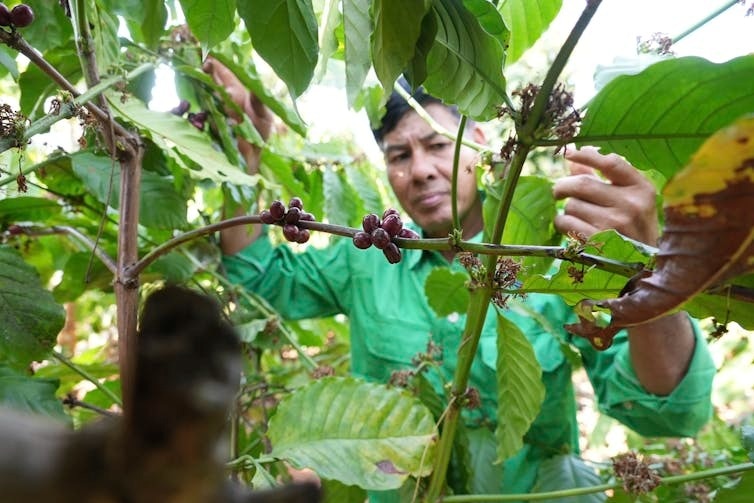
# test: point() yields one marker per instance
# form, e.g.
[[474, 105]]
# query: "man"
[[656, 378]]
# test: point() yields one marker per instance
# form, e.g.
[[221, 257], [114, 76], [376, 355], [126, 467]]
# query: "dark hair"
[[396, 107]]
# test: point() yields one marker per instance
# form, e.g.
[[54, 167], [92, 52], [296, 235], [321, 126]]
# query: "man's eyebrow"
[[403, 146]]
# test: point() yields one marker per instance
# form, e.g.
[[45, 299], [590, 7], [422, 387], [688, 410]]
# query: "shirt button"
[[453, 317], [628, 405]]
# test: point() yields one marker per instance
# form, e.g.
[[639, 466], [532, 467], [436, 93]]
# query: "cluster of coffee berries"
[[380, 233], [19, 17], [289, 218], [197, 119]]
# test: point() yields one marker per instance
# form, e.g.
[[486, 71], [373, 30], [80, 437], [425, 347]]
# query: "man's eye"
[[439, 145], [398, 158]]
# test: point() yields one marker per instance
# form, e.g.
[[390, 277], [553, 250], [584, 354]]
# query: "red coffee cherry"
[[22, 15]]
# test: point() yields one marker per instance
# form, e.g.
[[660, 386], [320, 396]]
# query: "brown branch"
[[15, 41]]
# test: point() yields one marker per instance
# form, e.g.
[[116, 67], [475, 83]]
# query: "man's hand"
[[623, 200], [260, 115]]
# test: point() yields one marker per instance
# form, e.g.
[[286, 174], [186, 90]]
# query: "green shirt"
[[391, 321]]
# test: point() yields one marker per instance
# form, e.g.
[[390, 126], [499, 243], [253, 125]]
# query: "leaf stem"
[[704, 21], [86, 375], [454, 177], [436, 127]]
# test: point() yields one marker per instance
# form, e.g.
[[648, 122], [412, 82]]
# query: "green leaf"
[[328, 42], [153, 24], [161, 206], [337, 492], [747, 440], [530, 219], [464, 67], [397, 26], [325, 426], [490, 19], [8, 62], [292, 56], [51, 28], [29, 317], [520, 391], [173, 267], [357, 28], [567, 471], [211, 22], [36, 86], [105, 38], [75, 281], [30, 394], [596, 284], [341, 201], [659, 117], [722, 308], [27, 209], [485, 473], [446, 291], [740, 493], [184, 143], [527, 20], [361, 177], [416, 69]]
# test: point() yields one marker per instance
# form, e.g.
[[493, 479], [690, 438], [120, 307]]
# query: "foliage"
[[130, 204]]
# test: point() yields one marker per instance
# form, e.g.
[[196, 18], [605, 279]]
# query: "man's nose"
[[423, 165]]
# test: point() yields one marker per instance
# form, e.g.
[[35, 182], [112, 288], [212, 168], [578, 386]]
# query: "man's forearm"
[[235, 239], [661, 352]]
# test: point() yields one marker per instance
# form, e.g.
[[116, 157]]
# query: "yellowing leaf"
[[708, 238]]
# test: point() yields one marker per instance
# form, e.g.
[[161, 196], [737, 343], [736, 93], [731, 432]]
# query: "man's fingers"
[[612, 166], [567, 223], [585, 187]]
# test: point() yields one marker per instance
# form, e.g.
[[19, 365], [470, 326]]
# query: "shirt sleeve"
[[297, 284], [620, 394]]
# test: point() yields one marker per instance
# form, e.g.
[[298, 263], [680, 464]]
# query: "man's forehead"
[[403, 141]]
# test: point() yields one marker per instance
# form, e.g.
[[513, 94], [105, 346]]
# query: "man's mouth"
[[429, 200]]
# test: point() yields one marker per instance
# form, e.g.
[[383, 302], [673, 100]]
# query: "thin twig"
[[70, 231], [86, 375]]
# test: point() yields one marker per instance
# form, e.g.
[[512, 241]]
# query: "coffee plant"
[[88, 230]]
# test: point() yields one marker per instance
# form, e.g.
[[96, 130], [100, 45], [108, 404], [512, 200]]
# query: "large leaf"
[[160, 205], [30, 394], [356, 30], [595, 283], [397, 25], [27, 208], [284, 33], [567, 471], [658, 118], [184, 143], [36, 86], [328, 41], [708, 237], [446, 291], [337, 492], [740, 493], [530, 219], [527, 20], [342, 203], [325, 426], [520, 391], [464, 66], [29, 317], [51, 28], [210, 22]]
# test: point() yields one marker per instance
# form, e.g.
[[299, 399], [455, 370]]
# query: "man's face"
[[419, 167]]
